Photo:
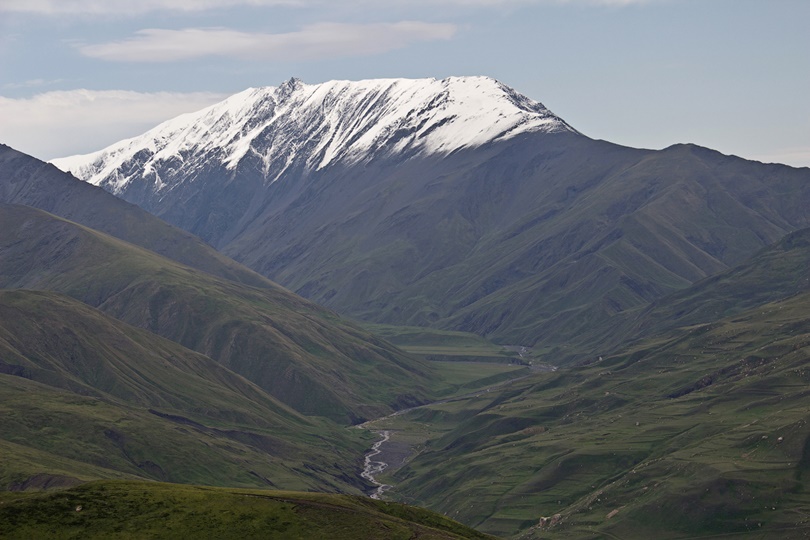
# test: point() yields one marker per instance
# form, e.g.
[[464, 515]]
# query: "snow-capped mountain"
[[311, 126], [456, 203]]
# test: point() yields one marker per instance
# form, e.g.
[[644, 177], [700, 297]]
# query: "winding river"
[[373, 468]]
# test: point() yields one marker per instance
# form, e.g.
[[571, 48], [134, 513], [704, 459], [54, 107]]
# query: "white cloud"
[[56, 124], [135, 7], [323, 40], [499, 3], [129, 7], [32, 83]]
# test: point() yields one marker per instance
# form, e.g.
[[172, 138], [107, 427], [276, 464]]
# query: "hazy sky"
[[734, 75]]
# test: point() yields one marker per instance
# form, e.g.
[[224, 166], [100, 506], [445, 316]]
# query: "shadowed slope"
[[85, 396], [776, 273], [28, 181], [300, 353]]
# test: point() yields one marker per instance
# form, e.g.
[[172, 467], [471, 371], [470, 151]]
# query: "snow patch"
[[318, 125]]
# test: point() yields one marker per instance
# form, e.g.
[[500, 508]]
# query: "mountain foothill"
[[199, 306]]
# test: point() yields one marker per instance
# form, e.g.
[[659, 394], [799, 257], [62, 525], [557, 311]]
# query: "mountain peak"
[[288, 87], [312, 125]]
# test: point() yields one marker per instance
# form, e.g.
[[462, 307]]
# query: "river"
[[373, 467]]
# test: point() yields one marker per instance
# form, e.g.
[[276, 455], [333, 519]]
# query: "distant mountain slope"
[[658, 223], [29, 181], [699, 428], [394, 210], [306, 126], [85, 396], [299, 353], [777, 273], [74, 347]]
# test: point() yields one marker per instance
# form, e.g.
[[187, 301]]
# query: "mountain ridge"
[[535, 238], [396, 116], [25, 180]]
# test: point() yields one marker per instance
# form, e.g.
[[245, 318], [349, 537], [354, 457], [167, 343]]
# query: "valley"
[[396, 447], [688, 433], [372, 296]]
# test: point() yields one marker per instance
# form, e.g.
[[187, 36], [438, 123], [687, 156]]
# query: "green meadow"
[[124, 510], [701, 432]]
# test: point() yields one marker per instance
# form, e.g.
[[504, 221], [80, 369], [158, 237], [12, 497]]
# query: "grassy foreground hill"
[[700, 429], [302, 354], [152, 510]]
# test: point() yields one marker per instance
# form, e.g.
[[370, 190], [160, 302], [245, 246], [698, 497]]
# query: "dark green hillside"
[[655, 224], [152, 510], [777, 272], [58, 341], [539, 240], [54, 438], [84, 396], [300, 353], [28, 181], [693, 431]]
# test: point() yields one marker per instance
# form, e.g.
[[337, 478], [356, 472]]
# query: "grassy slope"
[[61, 342], [462, 377], [777, 272], [698, 430], [646, 229], [681, 438], [138, 510], [300, 353], [461, 361], [84, 396], [49, 433], [28, 181], [539, 240]]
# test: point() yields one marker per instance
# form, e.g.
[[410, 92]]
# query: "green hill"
[[84, 396], [698, 429], [28, 181], [300, 353], [776, 273], [152, 510]]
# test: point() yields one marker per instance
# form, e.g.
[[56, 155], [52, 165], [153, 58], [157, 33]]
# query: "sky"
[[733, 75]]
